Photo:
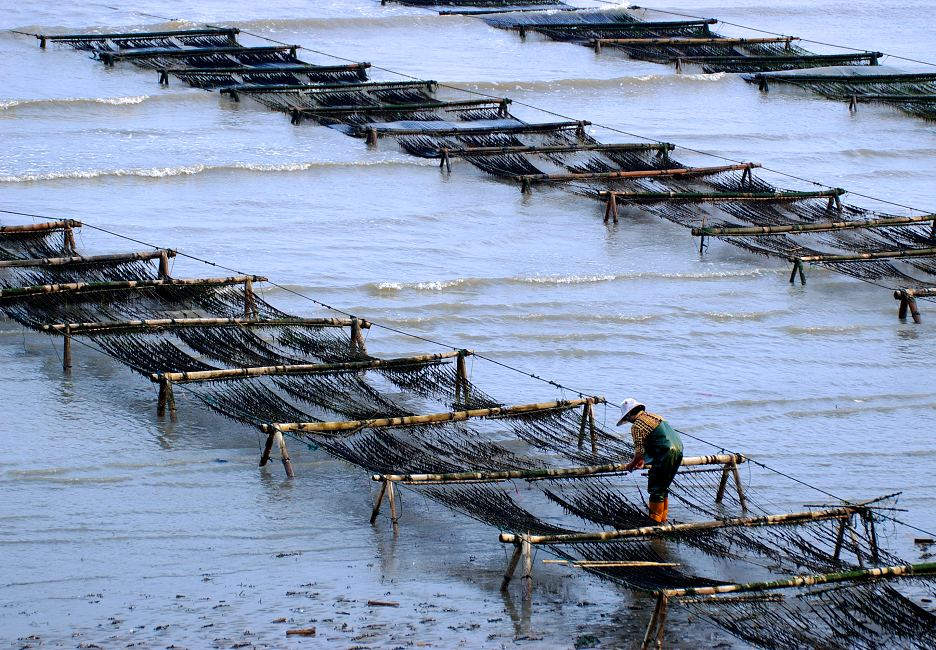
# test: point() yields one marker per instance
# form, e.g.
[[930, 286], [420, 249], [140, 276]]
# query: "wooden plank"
[[435, 418]]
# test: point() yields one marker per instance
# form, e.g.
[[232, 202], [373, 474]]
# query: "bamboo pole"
[[281, 69], [648, 26], [717, 197], [394, 516], [547, 473], [284, 454], [693, 41], [526, 578], [907, 298], [67, 351], [888, 222], [656, 623], [403, 108], [129, 35], [851, 80], [182, 52], [90, 259], [379, 501], [652, 173], [299, 369], [40, 227], [877, 255], [665, 529], [856, 575], [435, 418], [183, 323], [326, 88], [379, 130], [511, 567], [609, 563], [116, 285], [569, 148], [793, 58]]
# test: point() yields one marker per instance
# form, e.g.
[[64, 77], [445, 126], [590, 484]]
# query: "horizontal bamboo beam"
[[247, 69], [183, 323], [844, 79], [927, 568], [403, 108], [544, 127], [867, 257], [116, 285], [550, 472], [302, 369], [648, 26], [313, 88], [888, 222], [636, 197], [435, 418], [929, 292], [90, 259], [665, 529], [870, 56], [609, 564], [651, 173], [41, 227], [651, 42], [209, 31], [908, 99], [567, 148], [179, 52]]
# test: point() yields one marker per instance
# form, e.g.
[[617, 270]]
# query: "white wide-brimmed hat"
[[628, 406]]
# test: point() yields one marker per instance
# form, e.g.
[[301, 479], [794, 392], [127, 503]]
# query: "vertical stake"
[[738, 485], [914, 311], [597, 46], [250, 307], [582, 423], [762, 84], [70, 246], [872, 535], [170, 401], [163, 77], [284, 454], [267, 449], [445, 162], [902, 310], [511, 566], [394, 517], [461, 378], [853, 104], [42, 42], [379, 501], [526, 579], [580, 130], [357, 338], [590, 409], [611, 209], [839, 539], [161, 401], [66, 351], [371, 139], [723, 483], [163, 265], [655, 620]]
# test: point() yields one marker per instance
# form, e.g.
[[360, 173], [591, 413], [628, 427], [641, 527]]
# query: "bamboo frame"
[[208, 31], [888, 222], [648, 26], [785, 77], [545, 473], [374, 131], [903, 570], [118, 285], [109, 58], [872, 57], [666, 529], [403, 108], [527, 180], [182, 323], [302, 68], [300, 369], [324, 88], [598, 43], [435, 418], [91, 259], [525, 149]]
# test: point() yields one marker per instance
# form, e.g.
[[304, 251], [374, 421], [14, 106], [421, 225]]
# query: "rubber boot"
[[658, 511]]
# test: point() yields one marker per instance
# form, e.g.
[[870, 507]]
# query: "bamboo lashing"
[[547, 473], [182, 323], [663, 529], [89, 259], [527, 179], [904, 570], [117, 285], [435, 418], [748, 231], [299, 369]]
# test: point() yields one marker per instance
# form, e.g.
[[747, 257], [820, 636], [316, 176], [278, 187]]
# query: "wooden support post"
[[839, 539], [250, 305], [868, 518], [461, 378], [503, 109], [70, 246], [526, 578], [580, 129], [358, 346], [379, 501], [526, 186], [611, 209], [42, 42], [394, 517], [853, 104], [521, 29], [914, 310], [933, 230], [164, 265], [678, 66], [66, 351], [747, 176], [372, 137], [762, 84], [902, 310], [166, 399], [295, 117], [597, 46], [268, 448], [723, 483], [512, 566], [445, 162], [163, 77], [653, 637], [161, 402], [738, 485], [284, 454]]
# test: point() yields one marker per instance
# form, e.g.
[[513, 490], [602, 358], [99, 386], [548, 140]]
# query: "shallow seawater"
[[120, 529]]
